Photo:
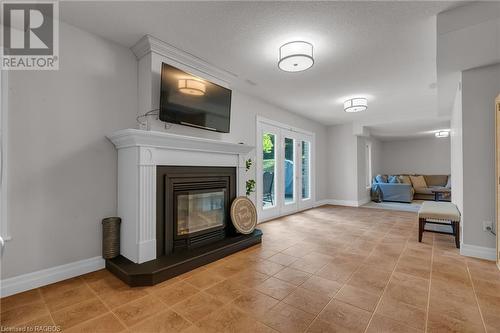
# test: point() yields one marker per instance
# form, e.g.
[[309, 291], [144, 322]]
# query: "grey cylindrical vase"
[[111, 237]]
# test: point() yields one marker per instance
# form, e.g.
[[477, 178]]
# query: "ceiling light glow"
[[442, 134]]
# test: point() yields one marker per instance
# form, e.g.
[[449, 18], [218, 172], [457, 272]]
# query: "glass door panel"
[[268, 170], [289, 171], [306, 170]]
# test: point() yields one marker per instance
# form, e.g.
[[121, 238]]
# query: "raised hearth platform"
[[169, 266]]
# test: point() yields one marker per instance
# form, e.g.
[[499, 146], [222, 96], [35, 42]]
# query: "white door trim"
[[263, 120], [4, 226], [271, 212]]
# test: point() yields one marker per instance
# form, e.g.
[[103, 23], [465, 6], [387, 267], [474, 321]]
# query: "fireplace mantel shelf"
[[139, 138]]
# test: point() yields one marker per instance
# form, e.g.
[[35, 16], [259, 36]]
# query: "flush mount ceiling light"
[[442, 134], [296, 56], [192, 87], [357, 104]]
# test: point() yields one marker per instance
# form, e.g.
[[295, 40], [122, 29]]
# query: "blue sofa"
[[393, 192]]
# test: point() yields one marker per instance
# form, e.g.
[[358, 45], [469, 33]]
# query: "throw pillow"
[[393, 180], [404, 179], [418, 181], [381, 179], [448, 183]]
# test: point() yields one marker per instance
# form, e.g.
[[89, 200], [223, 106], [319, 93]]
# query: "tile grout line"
[[385, 288], [475, 296], [192, 323], [338, 291], [107, 307], [86, 286], [430, 285], [46, 306]]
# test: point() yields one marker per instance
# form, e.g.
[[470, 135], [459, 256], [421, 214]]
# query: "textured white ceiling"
[[383, 50]]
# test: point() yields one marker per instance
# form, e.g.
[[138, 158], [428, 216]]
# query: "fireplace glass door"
[[199, 211]]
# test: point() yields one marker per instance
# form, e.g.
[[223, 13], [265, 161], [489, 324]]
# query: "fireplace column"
[[137, 201]]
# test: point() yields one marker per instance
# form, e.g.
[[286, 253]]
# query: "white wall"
[[346, 164], [428, 156], [456, 138], [342, 163], [467, 37], [62, 179], [376, 156], [480, 86], [376, 148], [62, 169]]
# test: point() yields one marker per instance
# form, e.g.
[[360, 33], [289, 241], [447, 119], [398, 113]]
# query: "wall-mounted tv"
[[189, 100]]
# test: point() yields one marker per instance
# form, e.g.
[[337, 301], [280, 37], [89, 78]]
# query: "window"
[[368, 164]]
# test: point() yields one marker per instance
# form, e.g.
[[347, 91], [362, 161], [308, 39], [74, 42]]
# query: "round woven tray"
[[244, 215]]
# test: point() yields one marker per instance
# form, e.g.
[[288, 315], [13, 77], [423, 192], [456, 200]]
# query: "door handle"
[[2, 245]]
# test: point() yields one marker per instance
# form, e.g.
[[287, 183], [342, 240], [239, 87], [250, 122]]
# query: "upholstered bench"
[[442, 213]]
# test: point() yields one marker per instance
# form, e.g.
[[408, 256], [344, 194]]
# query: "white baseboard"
[[321, 203], [480, 252], [348, 203], [364, 201], [47, 276]]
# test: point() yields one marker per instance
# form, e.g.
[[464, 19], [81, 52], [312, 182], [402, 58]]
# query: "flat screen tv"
[[189, 100]]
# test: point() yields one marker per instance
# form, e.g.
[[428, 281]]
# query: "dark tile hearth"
[[171, 265]]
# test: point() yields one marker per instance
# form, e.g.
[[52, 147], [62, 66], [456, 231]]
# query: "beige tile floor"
[[330, 269]]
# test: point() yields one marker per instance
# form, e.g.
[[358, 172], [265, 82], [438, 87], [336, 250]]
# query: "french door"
[[284, 171]]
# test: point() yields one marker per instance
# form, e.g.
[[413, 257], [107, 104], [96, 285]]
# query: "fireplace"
[[174, 197], [193, 206]]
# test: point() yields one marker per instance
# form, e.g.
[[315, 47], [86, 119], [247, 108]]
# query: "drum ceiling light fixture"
[[357, 104], [296, 56]]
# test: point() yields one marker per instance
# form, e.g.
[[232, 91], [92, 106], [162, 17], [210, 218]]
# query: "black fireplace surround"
[[175, 181], [193, 224]]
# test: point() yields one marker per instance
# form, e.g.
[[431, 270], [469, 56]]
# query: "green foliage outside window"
[[267, 143]]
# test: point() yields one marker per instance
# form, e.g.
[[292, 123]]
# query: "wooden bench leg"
[[456, 231], [421, 225]]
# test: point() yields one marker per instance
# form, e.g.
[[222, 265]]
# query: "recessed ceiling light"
[[296, 56], [442, 134], [357, 104]]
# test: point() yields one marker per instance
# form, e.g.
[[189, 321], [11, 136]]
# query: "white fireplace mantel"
[[139, 153]]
